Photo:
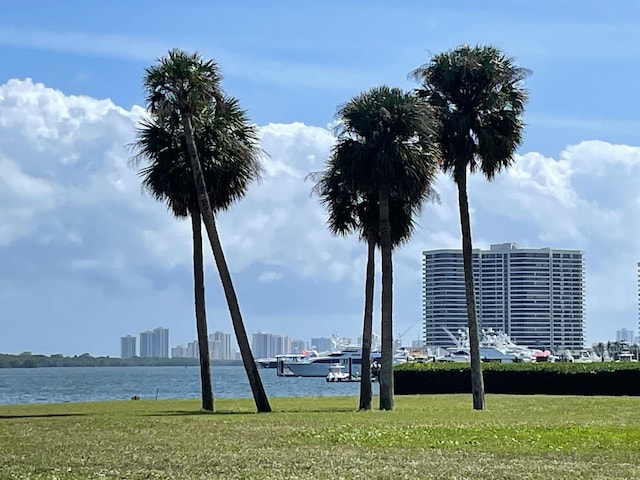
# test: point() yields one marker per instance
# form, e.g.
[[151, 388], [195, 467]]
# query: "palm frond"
[[479, 96], [181, 81], [228, 147], [386, 140]]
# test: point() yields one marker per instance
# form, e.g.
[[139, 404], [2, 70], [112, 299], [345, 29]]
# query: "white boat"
[[320, 366], [494, 347], [285, 360], [336, 374], [269, 362], [454, 355], [585, 356], [402, 355]]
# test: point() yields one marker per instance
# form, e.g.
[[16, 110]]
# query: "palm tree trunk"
[[367, 327], [386, 366], [257, 388], [477, 382], [201, 315]]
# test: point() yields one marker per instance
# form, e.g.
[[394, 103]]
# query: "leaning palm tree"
[[227, 147], [479, 98], [347, 213], [186, 85], [386, 151]]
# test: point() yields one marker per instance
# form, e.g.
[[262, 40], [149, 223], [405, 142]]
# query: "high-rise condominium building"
[[220, 346], [534, 295], [624, 335], [299, 346], [146, 344], [322, 344], [190, 351], [267, 345], [155, 343], [127, 346]]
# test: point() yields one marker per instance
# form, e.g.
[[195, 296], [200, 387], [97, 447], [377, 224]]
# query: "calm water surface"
[[81, 384]]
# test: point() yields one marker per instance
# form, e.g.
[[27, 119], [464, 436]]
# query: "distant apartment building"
[[155, 343], [191, 350], [322, 344], [298, 346], [537, 296], [179, 351], [267, 345], [146, 344], [127, 347], [624, 335], [220, 346]]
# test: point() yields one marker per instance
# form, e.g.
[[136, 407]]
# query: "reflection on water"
[[80, 384]]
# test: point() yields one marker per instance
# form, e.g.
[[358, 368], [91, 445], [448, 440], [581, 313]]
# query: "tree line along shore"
[[29, 360]]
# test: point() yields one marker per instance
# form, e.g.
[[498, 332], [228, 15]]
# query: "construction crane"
[[399, 337]]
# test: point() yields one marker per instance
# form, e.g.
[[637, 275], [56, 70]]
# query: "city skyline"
[[104, 259]]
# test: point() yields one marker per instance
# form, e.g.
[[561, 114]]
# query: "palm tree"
[[479, 98], [186, 85], [385, 151], [227, 146], [349, 213]]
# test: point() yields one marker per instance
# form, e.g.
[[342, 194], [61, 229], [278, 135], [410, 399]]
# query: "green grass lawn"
[[517, 437]]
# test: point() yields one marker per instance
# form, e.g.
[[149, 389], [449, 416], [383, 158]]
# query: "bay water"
[[89, 384]]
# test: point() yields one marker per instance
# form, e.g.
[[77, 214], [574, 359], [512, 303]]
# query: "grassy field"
[[526, 437]]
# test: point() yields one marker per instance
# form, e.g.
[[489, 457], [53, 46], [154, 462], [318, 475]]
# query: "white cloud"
[[254, 66], [72, 209], [269, 276]]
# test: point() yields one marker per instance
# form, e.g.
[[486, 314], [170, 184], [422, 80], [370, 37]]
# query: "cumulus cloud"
[[80, 237]]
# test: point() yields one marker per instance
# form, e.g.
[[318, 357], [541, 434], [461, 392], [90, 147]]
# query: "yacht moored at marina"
[[272, 362], [319, 366], [495, 346]]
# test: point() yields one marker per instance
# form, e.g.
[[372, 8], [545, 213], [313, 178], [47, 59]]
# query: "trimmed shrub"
[[521, 378]]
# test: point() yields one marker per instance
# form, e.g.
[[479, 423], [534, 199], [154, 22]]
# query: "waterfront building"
[[624, 335], [155, 343], [260, 345], [220, 346], [179, 351], [127, 346], [146, 344], [298, 346], [534, 295], [193, 349], [322, 344], [161, 342], [268, 345]]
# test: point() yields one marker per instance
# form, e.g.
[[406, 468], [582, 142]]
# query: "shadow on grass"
[[174, 413], [42, 415]]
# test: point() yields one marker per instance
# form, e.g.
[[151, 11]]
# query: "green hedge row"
[[548, 379]]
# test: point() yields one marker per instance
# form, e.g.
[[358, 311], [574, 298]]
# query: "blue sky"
[[87, 258]]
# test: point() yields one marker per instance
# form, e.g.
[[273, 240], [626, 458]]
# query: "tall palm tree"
[[186, 85], [386, 151], [479, 98], [350, 213], [228, 147]]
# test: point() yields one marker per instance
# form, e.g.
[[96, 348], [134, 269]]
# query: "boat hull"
[[316, 369]]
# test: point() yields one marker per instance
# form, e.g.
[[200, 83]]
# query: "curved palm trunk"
[[477, 382], [367, 328], [257, 388], [386, 367], [201, 315]]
